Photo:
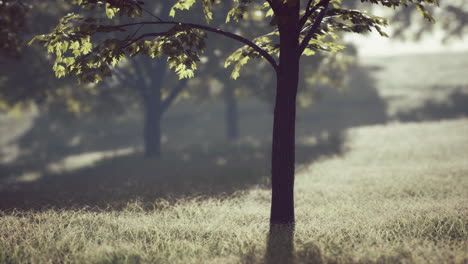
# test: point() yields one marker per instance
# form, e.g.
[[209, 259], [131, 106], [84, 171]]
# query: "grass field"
[[397, 194], [382, 177]]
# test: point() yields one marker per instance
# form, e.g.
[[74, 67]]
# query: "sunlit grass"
[[398, 195]]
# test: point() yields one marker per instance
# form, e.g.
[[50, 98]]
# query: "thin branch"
[[309, 3], [315, 26], [181, 85], [151, 14], [309, 11], [158, 34], [241, 39], [136, 32]]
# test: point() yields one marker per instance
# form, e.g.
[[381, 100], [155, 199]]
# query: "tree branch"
[[181, 84], [151, 14], [309, 11], [270, 2], [315, 26], [158, 34], [241, 39]]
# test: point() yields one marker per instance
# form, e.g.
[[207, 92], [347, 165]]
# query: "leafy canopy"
[[82, 48], [12, 22]]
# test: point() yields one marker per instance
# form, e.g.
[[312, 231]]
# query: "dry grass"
[[398, 195]]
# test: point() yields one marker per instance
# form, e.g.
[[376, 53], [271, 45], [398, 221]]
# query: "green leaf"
[[86, 47], [111, 11], [425, 13], [181, 5], [75, 45], [59, 70]]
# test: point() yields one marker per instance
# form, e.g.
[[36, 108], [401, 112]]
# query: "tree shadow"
[[455, 105], [280, 249], [280, 245], [52, 137], [337, 110], [197, 171]]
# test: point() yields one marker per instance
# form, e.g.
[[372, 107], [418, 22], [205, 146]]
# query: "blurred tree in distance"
[[316, 70], [20, 20], [451, 16], [62, 99], [12, 23], [133, 89], [296, 27]]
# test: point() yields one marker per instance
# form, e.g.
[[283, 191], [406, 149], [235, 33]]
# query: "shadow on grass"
[[57, 135], [214, 171], [337, 110], [454, 106], [280, 245], [192, 171], [282, 251]]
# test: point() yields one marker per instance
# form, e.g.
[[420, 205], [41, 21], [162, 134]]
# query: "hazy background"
[[69, 141], [381, 152]]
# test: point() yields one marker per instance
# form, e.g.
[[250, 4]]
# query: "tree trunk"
[[152, 122], [280, 245], [282, 168], [232, 117]]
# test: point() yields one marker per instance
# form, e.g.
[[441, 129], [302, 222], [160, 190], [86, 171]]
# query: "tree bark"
[[283, 156], [232, 117], [152, 122]]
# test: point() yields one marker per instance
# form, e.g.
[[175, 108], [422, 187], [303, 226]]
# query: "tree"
[[20, 20], [297, 28], [148, 81], [451, 16], [12, 23], [17, 24]]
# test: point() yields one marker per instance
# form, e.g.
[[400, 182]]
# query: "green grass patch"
[[397, 195]]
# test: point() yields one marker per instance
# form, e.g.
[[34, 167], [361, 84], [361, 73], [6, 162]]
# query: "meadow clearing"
[[398, 198], [386, 185]]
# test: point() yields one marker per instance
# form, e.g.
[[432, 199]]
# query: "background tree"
[[23, 19], [151, 82], [315, 70], [19, 21], [12, 23], [148, 78], [297, 28], [451, 16]]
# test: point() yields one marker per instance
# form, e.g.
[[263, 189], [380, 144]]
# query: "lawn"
[[395, 193]]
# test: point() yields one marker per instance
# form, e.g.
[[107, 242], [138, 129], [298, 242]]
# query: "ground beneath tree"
[[397, 194]]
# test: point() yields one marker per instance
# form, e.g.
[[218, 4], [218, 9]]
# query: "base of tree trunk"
[[280, 244]]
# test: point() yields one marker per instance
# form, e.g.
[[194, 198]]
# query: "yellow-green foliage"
[[398, 195]]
